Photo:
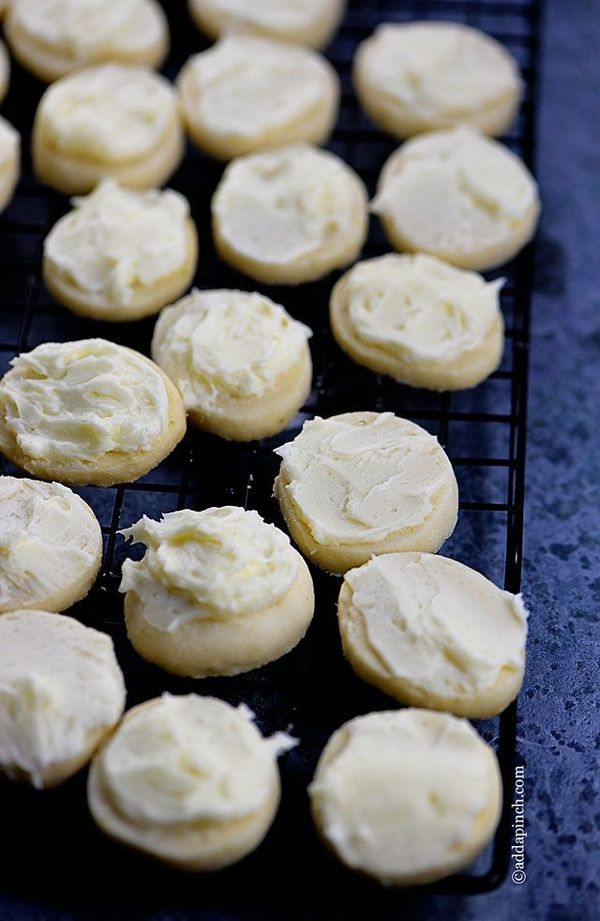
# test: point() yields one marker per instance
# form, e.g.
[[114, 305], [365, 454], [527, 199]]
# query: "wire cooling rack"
[[49, 847]]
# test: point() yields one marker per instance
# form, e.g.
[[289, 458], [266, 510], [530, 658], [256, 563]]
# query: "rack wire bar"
[[312, 690]]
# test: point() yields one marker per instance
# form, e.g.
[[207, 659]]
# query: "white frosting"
[[419, 307], [271, 15], [439, 72], [87, 30], [117, 241], [189, 759], [245, 86], [59, 684], [109, 112], [226, 343], [48, 537], [83, 398], [9, 145], [353, 482], [217, 563], [455, 189], [400, 793], [288, 204], [435, 623]]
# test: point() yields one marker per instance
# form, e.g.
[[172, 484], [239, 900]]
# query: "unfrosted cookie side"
[[312, 23], [10, 161]]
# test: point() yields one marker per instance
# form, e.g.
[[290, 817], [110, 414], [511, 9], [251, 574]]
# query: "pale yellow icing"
[[420, 308], [217, 563], [117, 241], [48, 537], [226, 343], [59, 684], [352, 482], [434, 622], [403, 791], [189, 759], [83, 398]]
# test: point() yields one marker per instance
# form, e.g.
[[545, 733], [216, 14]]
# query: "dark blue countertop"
[[559, 718]]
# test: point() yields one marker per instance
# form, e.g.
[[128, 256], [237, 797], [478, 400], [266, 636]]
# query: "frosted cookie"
[[459, 196], [364, 483], [420, 76], [4, 71], [188, 780], [309, 22], [50, 545], [433, 633], [290, 215], [88, 412], [108, 121], [241, 362], [420, 320], [406, 796], [121, 254], [10, 161], [218, 592], [53, 37], [248, 93], [61, 694]]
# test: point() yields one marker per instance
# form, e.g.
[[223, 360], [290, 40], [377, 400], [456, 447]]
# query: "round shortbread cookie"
[[407, 796], [53, 37], [188, 780], [61, 694], [50, 545], [421, 76], [218, 592], [305, 22], [420, 320], [10, 161], [460, 196], [289, 215], [4, 71], [433, 633], [365, 483], [109, 121], [248, 93], [88, 412], [241, 362], [121, 254]]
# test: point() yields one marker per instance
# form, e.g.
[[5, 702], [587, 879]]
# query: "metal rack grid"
[[311, 690]]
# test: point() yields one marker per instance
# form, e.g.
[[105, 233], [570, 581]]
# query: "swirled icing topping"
[[245, 86], [109, 112], [86, 30], [230, 343], [435, 622], [419, 307], [117, 241], [88, 397], [456, 190], [440, 72], [353, 480], [48, 537], [401, 793], [189, 759], [286, 204], [59, 682], [220, 562]]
